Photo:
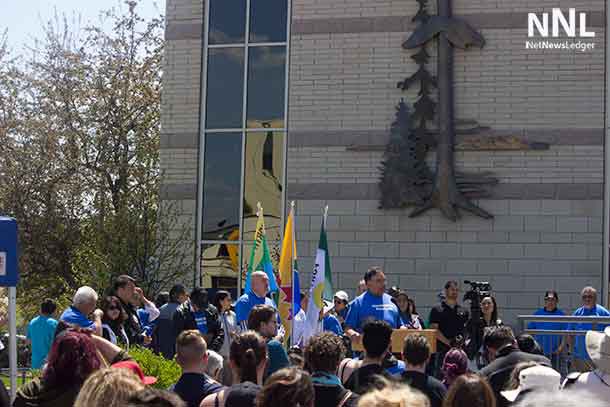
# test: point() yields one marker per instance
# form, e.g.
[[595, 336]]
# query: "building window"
[[244, 135]]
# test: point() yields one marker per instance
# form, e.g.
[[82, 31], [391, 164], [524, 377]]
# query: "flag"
[[315, 306], [289, 301], [259, 256]]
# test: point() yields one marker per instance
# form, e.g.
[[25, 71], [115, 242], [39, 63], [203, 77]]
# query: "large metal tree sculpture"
[[450, 32]]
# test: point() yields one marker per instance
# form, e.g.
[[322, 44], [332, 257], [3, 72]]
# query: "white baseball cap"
[[534, 378], [342, 295]]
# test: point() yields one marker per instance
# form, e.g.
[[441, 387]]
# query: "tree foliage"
[[79, 158]]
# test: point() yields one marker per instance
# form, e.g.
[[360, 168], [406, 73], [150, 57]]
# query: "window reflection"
[[266, 85], [221, 186], [268, 20], [219, 267], [225, 88], [263, 180], [227, 21]]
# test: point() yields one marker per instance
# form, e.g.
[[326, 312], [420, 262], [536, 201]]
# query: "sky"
[[24, 18]]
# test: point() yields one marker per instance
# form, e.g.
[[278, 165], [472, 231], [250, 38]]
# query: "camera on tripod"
[[478, 291]]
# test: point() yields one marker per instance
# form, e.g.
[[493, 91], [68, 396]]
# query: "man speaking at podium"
[[374, 304]]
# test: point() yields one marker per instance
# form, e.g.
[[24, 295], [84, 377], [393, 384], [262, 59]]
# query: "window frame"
[[244, 130]]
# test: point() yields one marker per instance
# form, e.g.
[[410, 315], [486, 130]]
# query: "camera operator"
[[449, 319], [475, 328]]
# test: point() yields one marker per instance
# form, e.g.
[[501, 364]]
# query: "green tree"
[[79, 129]]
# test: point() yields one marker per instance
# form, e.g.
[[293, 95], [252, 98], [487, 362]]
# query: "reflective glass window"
[[225, 86], [227, 21], [221, 186], [263, 179], [268, 20], [266, 86], [220, 267]]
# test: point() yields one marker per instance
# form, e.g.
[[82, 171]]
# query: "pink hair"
[[454, 365], [72, 359]]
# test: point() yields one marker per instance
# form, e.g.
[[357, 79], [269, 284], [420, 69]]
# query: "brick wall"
[[321, 9], [180, 114], [349, 81], [559, 164]]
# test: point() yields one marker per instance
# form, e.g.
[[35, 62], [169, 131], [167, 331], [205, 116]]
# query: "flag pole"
[[292, 249]]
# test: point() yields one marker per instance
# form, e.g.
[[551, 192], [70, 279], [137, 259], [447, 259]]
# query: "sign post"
[[8, 278]]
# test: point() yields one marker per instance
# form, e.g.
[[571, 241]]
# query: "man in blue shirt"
[[552, 345], [256, 296], [84, 303], [374, 304], [581, 361], [40, 333]]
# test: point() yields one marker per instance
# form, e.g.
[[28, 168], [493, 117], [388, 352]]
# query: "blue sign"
[[8, 252]]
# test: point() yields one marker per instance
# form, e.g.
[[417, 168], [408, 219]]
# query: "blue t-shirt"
[[147, 325], [579, 348], [371, 307], [41, 331], [201, 321], [549, 343], [332, 324], [75, 317], [397, 369], [245, 303], [278, 358]]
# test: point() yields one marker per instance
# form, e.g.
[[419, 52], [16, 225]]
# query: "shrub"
[[166, 371]]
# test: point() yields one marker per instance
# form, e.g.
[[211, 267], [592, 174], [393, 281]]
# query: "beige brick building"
[[237, 130]]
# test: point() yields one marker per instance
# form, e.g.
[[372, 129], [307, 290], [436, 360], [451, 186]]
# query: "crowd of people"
[[233, 353]]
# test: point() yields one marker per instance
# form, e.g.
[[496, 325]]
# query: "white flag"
[[315, 303]]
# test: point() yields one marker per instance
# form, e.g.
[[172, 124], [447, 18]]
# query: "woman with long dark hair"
[[113, 322], [475, 330], [410, 320], [222, 302], [248, 360]]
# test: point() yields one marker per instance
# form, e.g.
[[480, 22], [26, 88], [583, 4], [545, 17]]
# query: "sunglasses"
[[550, 299], [588, 297], [114, 308]]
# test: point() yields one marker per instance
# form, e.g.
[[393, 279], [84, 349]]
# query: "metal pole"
[[606, 215], [12, 344]]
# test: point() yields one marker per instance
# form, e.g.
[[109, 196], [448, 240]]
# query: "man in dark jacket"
[[323, 354], [164, 334], [416, 353], [197, 313], [124, 287], [501, 347]]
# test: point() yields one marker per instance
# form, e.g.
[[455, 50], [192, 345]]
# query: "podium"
[[398, 339]]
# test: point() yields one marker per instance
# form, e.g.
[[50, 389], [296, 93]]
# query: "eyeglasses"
[[588, 297], [550, 299]]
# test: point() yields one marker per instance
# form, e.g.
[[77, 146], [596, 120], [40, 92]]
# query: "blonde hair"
[[109, 387], [394, 395], [191, 348]]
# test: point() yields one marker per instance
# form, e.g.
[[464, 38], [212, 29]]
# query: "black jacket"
[[184, 319], [133, 326], [498, 372], [164, 335], [330, 396]]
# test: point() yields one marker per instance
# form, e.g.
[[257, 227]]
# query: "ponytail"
[[247, 352]]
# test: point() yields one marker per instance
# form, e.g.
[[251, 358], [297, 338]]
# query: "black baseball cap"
[[551, 294]]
